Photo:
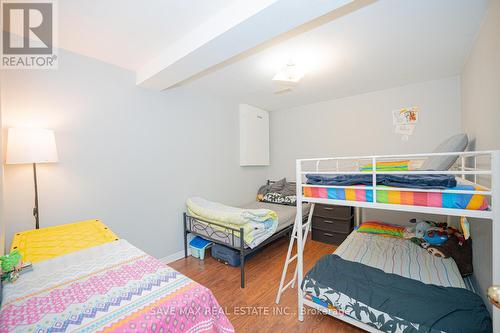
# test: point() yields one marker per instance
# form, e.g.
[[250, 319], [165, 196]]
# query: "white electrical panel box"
[[254, 136]]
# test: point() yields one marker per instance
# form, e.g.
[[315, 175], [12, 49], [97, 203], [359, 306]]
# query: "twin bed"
[[231, 236], [108, 287]]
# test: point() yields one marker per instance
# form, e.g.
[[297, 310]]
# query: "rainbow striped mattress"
[[412, 198]]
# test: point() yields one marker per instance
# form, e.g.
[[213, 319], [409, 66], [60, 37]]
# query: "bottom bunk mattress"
[[379, 281], [286, 217], [113, 287], [400, 256]]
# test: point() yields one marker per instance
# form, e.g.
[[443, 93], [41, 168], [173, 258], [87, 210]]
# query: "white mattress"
[[402, 257]]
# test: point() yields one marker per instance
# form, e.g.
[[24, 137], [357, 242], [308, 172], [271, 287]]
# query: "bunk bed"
[[467, 199]]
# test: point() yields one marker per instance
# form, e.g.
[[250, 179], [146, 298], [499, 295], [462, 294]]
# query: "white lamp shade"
[[31, 145]]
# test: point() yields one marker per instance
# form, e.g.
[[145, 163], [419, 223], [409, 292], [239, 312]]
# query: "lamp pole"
[[31, 146], [35, 209]]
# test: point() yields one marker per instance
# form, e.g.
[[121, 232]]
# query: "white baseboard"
[[174, 256], [177, 255]]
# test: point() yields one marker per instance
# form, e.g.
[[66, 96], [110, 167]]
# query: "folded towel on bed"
[[406, 181], [258, 224]]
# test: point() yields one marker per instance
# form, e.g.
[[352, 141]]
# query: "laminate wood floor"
[[253, 309]]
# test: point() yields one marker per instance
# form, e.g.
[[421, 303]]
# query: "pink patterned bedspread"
[[114, 287]]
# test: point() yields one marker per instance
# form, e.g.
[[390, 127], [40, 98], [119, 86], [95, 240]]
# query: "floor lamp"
[[31, 146]]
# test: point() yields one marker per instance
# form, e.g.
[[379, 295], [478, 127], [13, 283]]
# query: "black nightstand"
[[332, 224]]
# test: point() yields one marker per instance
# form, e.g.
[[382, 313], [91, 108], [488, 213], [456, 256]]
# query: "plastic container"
[[198, 246], [226, 255]]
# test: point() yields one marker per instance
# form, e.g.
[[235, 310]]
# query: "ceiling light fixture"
[[287, 78], [291, 74]]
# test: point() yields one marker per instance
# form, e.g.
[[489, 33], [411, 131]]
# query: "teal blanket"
[[434, 308]]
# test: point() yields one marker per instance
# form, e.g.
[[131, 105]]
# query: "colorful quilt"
[[113, 287], [428, 199]]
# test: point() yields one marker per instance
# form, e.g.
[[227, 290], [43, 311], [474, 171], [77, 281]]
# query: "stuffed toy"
[[435, 236], [459, 250], [445, 242], [10, 265], [421, 226]]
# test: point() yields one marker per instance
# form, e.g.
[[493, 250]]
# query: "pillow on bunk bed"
[[289, 189], [277, 192], [278, 185], [280, 198], [275, 187], [456, 143], [382, 229]]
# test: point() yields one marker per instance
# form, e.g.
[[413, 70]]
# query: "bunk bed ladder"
[[289, 257]]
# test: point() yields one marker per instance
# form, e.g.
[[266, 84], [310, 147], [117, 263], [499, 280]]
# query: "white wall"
[[481, 120], [128, 156], [362, 125], [481, 84]]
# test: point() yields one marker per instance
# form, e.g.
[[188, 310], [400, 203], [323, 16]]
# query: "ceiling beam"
[[239, 28]]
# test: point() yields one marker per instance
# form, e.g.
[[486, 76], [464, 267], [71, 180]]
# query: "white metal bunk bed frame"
[[492, 214]]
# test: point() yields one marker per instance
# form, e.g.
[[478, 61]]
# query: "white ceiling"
[[128, 33], [383, 45]]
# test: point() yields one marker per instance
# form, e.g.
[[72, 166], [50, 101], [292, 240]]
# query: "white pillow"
[[456, 143]]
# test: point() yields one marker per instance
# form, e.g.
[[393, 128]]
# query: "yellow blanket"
[[46, 243]]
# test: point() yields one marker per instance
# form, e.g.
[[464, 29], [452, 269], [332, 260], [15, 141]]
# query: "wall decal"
[[404, 121]]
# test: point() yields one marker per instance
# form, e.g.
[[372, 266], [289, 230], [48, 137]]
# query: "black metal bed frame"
[[227, 237]]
